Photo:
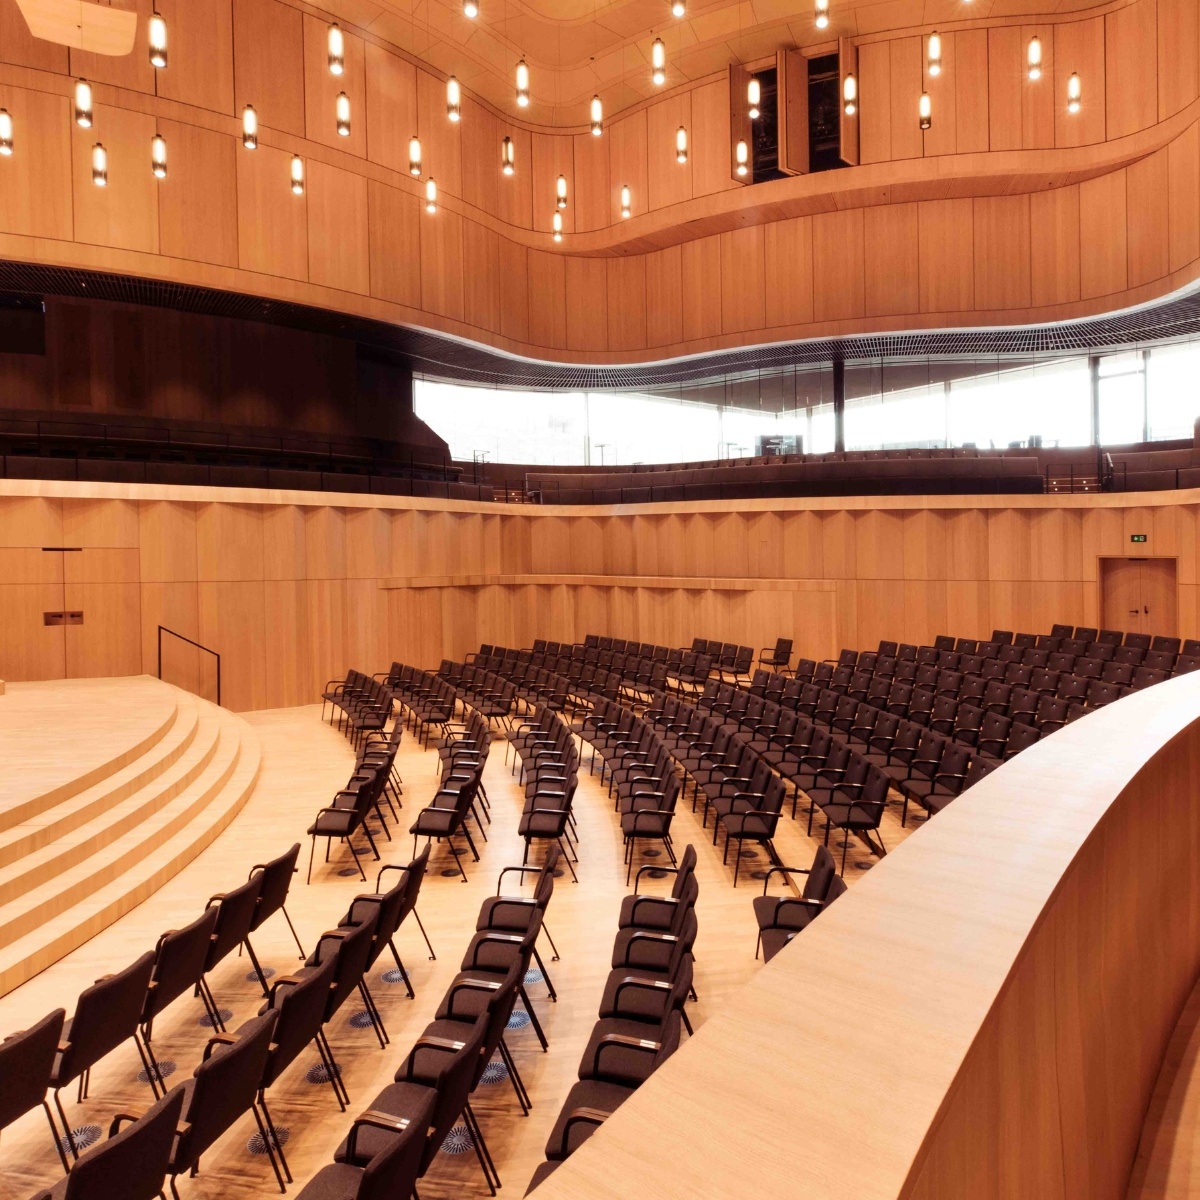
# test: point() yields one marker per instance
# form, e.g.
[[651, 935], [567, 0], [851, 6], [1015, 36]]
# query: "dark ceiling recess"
[[445, 358]]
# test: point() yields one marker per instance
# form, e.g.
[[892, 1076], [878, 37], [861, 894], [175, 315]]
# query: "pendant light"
[[507, 160], [157, 31], [658, 62], [453, 99], [821, 16], [470, 9], [681, 145], [933, 56], [850, 95], [925, 110], [560, 192], [597, 117], [158, 156], [754, 97], [430, 196], [297, 175], [1033, 59], [99, 165], [83, 103], [335, 44], [414, 155], [522, 84], [342, 113], [741, 157], [678, 8], [249, 127], [1074, 93], [556, 223], [6, 133], [626, 201]]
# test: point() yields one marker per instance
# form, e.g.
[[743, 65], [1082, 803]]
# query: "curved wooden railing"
[[983, 1016]]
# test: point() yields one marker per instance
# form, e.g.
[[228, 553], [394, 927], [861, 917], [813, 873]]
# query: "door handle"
[[1133, 612], [1146, 608]]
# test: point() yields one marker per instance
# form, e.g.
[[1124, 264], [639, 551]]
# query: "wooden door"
[[1139, 595]]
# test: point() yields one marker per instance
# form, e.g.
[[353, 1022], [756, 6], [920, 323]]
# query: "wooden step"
[[110, 819], [157, 831], [74, 811], [103, 724]]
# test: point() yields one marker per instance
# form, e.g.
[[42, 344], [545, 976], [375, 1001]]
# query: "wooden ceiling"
[[577, 48]]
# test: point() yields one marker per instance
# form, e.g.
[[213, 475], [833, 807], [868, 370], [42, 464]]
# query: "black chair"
[[300, 1004], [132, 1164], [26, 1059], [350, 949], [347, 815], [105, 1015], [179, 960], [223, 1087], [448, 820], [235, 915], [276, 879], [778, 915], [437, 1072], [391, 1174], [391, 908], [779, 657]]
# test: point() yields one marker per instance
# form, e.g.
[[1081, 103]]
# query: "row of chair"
[[392, 1144], [359, 704], [641, 1013]]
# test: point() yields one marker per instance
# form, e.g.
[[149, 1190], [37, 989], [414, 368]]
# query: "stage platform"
[[110, 787]]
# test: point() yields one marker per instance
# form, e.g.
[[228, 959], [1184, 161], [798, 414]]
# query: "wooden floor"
[[303, 762]]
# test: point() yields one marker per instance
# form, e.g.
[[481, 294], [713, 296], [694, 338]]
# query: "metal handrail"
[[207, 650]]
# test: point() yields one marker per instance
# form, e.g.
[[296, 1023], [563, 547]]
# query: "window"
[[1122, 398]]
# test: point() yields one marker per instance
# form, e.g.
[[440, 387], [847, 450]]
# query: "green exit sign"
[[1137, 537]]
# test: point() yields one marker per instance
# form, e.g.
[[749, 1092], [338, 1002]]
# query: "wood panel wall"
[[991, 216], [292, 589]]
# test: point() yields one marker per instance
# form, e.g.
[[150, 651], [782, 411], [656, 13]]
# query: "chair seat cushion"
[[434, 823], [540, 824], [620, 1063], [587, 1093], [636, 1003], [413, 1101], [771, 911], [749, 825], [333, 824], [337, 1181], [774, 940]]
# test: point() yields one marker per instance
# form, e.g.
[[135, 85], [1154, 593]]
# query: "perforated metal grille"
[[446, 358]]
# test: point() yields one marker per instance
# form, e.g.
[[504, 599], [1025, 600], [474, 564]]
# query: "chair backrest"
[[1139, 640], [1062, 630], [275, 878], [353, 953], [1086, 633], [1160, 660], [223, 1088], [301, 1008], [1003, 636], [132, 1164], [1020, 737], [26, 1059], [179, 960], [823, 869], [105, 1015], [1109, 637], [394, 1171], [235, 913]]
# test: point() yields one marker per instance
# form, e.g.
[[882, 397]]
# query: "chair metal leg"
[[477, 1142], [350, 843], [553, 947], [262, 979], [545, 976], [262, 1102], [400, 968], [311, 852], [515, 1077], [292, 927], [335, 1074], [62, 1116], [62, 1158], [432, 956], [567, 860], [373, 1013], [268, 1142], [537, 1025]]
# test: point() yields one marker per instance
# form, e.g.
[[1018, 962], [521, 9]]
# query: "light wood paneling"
[[197, 202], [200, 53], [269, 62], [788, 272], [338, 250], [272, 221], [442, 263], [441, 139], [1148, 238], [37, 191], [890, 260], [1054, 246], [627, 303], [1178, 55], [664, 297], [667, 181], [1103, 232], [627, 162], [839, 272], [710, 139], [395, 245], [587, 304], [947, 277], [514, 291], [552, 157], [592, 205], [701, 266], [1002, 246], [481, 277], [125, 213], [1079, 49], [743, 298], [547, 300], [906, 85], [391, 108], [1131, 67], [1183, 198]]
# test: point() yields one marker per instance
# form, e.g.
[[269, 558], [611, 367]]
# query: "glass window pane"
[[1174, 386], [1047, 400]]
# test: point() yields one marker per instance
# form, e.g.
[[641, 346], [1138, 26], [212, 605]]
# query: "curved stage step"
[[90, 853]]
